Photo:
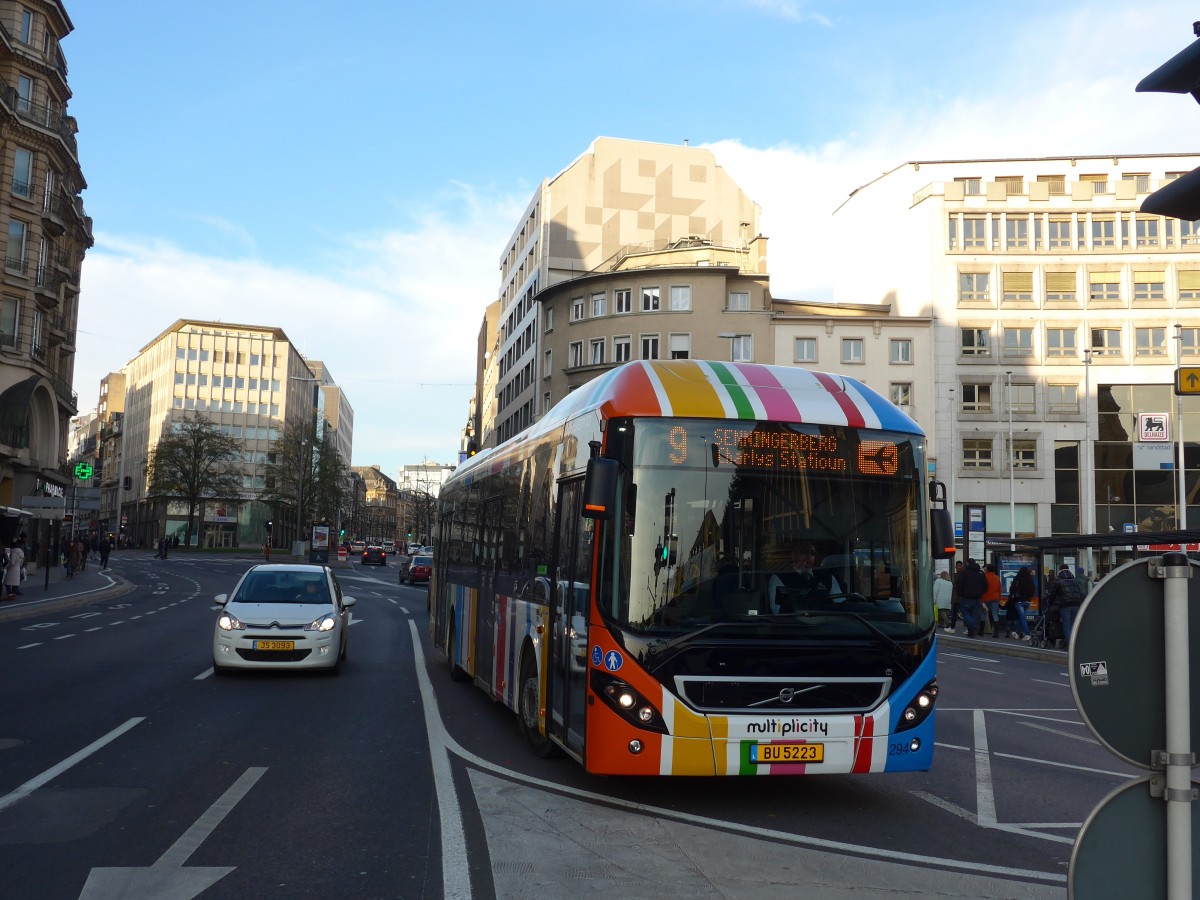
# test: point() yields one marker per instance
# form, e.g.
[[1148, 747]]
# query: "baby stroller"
[[1047, 629]]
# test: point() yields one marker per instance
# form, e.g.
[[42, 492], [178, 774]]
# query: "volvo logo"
[[787, 695]]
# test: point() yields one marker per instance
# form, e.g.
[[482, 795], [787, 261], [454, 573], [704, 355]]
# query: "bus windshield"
[[766, 529]]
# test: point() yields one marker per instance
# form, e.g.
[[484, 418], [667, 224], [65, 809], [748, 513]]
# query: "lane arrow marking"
[[167, 879]]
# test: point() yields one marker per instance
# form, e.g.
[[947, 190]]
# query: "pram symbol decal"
[[1096, 671]]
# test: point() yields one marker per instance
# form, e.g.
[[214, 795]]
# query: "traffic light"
[[342, 533], [267, 528], [1180, 198]]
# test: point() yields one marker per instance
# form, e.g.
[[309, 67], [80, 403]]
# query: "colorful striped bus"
[[701, 568]]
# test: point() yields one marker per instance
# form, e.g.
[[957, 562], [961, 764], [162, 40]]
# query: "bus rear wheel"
[[528, 706]]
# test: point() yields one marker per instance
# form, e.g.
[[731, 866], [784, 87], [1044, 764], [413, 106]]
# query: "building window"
[[1189, 284], [1149, 287], [549, 318], [650, 301], [597, 305], [649, 346], [1022, 398], [972, 187], [739, 301], [1147, 231], [545, 402], [1151, 342], [974, 232], [852, 351], [548, 364], [1104, 231], [22, 177], [26, 27], [1016, 232], [622, 299], [576, 354], [1018, 342], [621, 347], [14, 257], [681, 297], [1189, 232], [1063, 398], [1104, 287], [35, 335], [977, 453], [976, 342], [1057, 183], [10, 316], [1060, 234], [1106, 341], [1060, 287], [805, 350], [741, 348], [1024, 454], [576, 309], [679, 346], [597, 352], [977, 398], [1060, 342], [973, 287], [902, 394], [1190, 341], [901, 351], [1018, 287]]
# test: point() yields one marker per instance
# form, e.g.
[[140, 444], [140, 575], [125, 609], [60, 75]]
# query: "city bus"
[[625, 574]]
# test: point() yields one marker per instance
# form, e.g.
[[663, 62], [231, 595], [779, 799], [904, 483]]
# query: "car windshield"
[[422, 561], [283, 587]]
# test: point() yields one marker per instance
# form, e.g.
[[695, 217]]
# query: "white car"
[[284, 616]]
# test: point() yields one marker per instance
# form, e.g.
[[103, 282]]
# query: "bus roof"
[[699, 389]]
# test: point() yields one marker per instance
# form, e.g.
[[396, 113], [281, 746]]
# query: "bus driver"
[[802, 584]]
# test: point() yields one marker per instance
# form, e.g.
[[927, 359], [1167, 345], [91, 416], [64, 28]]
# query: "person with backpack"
[[991, 599], [1020, 595], [971, 584], [1067, 595]]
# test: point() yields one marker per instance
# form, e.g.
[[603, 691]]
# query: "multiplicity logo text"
[[784, 727]]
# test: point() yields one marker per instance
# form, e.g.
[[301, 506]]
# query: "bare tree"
[[305, 473], [194, 461]]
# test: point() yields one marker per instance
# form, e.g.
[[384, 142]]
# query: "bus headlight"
[[624, 700], [919, 707]]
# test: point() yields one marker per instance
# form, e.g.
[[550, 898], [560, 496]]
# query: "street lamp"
[[1087, 468], [1181, 512], [1012, 465], [300, 489]]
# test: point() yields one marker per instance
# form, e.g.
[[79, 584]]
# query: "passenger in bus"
[[803, 585]]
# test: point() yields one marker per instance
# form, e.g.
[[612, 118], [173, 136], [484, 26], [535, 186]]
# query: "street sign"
[[88, 504], [40, 502], [87, 493], [1187, 380], [1120, 849], [1117, 665]]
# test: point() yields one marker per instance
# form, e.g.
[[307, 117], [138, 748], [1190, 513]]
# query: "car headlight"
[[229, 622], [327, 622]]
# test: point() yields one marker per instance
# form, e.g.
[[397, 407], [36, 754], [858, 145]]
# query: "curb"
[[33, 607], [1004, 647]]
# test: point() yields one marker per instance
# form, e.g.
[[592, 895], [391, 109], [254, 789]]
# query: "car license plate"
[[787, 753], [274, 645]]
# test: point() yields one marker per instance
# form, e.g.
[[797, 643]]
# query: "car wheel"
[[527, 709]]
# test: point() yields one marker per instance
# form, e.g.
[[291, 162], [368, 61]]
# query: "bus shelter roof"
[[1082, 541]]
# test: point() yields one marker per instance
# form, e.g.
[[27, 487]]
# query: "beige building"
[[622, 205], [46, 235], [248, 379]]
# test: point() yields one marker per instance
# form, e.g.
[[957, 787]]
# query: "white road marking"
[[1055, 683], [177, 854], [50, 774], [29, 646], [1062, 765], [985, 798], [63, 637]]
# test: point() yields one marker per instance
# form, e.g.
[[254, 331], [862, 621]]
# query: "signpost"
[[1187, 380], [1131, 667]]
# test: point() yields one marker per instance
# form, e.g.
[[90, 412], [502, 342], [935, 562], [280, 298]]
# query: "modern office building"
[[252, 382], [621, 240], [1059, 315], [46, 235]]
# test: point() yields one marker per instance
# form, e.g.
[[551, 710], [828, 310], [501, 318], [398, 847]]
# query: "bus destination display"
[[782, 450]]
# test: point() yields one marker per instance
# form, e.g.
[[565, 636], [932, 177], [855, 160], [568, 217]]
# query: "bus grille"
[[753, 695]]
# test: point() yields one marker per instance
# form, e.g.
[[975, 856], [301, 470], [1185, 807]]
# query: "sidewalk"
[[84, 587]]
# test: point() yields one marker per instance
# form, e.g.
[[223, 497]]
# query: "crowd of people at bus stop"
[[976, 594]]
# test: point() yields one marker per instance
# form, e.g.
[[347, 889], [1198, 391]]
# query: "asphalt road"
[[127, 770]]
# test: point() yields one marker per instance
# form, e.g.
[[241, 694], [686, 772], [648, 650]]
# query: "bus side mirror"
[[600, 488], [941, 526]]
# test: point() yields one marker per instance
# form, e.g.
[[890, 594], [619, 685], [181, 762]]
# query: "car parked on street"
[[374, 556], [416, 568], [282, 616]]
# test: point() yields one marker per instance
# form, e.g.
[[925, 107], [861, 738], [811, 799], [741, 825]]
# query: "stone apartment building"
[[46, 236]]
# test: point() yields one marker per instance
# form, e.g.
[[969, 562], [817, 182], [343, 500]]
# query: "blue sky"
[[351, 174]]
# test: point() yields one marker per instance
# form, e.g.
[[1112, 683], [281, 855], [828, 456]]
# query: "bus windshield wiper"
[[846, 613]]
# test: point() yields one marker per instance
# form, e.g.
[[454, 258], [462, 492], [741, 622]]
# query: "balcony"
[[42, 116]]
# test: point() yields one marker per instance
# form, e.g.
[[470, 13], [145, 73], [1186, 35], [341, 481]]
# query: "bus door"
[[570, 593], [489, 564]]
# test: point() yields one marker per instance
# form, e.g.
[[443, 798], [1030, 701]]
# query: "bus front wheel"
[[527, 709]]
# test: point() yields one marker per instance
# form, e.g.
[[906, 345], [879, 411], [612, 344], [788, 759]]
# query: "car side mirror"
[[347, 601], [221, 599]]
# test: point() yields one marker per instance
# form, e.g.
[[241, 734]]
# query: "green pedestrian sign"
[[83, 471]]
